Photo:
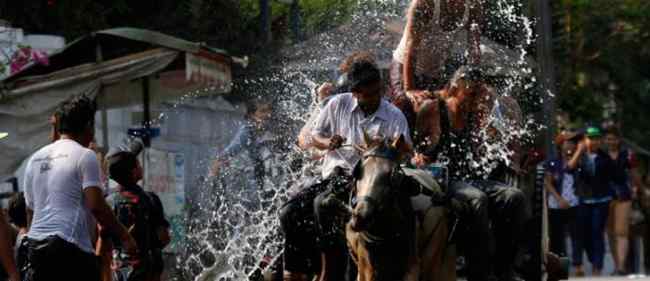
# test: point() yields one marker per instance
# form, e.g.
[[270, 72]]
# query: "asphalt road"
[[608, 269], [612, 278]]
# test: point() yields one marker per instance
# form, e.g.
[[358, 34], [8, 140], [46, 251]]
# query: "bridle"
[[396, 179]]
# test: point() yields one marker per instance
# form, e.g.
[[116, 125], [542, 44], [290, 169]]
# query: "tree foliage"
[[602, 49]]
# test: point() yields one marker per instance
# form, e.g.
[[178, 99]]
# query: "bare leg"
[[621, 231]]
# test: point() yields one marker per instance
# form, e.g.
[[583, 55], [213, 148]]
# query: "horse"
[[386, 239]]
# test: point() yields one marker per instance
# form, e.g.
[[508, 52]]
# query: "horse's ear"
[[397, 141], [366, 139], [401, 145], [356, 172]]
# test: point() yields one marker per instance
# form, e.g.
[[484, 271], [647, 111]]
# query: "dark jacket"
[[593, 181]]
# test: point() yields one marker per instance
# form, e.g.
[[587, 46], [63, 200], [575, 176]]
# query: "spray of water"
[[233, 230]]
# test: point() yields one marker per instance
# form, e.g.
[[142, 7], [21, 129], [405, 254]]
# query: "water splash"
[[233, 230]]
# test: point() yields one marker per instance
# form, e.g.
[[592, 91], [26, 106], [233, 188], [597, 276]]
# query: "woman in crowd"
[[559, 182], [624, 184]]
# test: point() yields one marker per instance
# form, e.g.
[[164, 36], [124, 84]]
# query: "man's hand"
[[325, 90], [336, 142], [129, 246], [418, 97], [215, 168], [563, 203], [420, 160]]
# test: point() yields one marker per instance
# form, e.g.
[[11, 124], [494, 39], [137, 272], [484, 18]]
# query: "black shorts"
[[56, 259]]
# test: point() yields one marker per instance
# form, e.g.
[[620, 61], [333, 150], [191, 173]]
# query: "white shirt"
[[436, 45], [342, 116], [568, 193], [55, 178]]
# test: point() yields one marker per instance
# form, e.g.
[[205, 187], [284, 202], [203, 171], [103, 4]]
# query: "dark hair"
[[17, 210], [613, 131], [254, 104], [346, 64], [363, 73], [76, 115], [120, 166]]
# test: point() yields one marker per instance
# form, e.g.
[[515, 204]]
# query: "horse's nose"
[[361, 216]]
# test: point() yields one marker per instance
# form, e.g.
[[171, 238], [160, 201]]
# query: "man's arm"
[[96, 204], [550, 188], [104, 215], [575, 159], [322, 129], [427, 126], [241, 141], [321, 142], [6, 253], [30, 216], [417, 16], [238, 143], [305, 139], [634, 173]]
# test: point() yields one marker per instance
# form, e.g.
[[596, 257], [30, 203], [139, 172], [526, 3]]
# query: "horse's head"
[[378, 177]]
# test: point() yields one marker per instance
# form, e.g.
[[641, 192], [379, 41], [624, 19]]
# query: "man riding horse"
[[311, 230]]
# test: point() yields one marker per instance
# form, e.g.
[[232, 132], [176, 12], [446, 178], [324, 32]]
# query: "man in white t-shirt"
[[62, 189]]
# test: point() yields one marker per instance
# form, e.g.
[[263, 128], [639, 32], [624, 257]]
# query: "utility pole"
[[265, 21], [295, 20], [546, 70], [546, 73]]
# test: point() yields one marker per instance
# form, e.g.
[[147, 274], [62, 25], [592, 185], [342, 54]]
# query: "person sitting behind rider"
[[310, 228], [423, 59], [447, 130]]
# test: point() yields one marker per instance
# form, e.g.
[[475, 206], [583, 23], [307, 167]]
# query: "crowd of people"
[[591, 186], [67, 215]]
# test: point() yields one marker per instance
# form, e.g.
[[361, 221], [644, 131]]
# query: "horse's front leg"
[[357, 254]]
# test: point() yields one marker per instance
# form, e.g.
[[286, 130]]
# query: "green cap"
[[3, 135], [593, 132]]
